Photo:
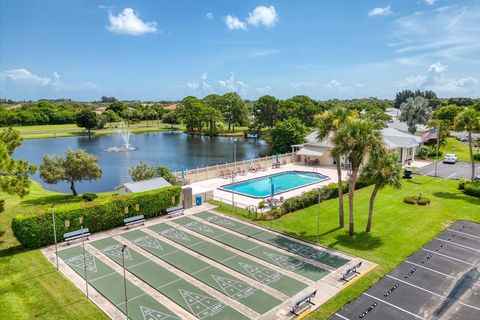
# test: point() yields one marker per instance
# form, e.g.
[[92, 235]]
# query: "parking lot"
[[457, 171]]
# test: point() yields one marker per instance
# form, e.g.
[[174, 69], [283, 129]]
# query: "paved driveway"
[[460, 170]]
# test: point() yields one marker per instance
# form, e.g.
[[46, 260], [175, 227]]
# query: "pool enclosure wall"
[[211, 172]]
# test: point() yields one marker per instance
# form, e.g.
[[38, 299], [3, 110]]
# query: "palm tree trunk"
[[341, 218], [370, 208], [351, 191], [470, 149]]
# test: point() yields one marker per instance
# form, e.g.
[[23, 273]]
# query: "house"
[[171, 107], [402, 126], [404, 144], [144, 185]]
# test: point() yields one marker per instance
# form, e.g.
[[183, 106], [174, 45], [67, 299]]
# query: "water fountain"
[[124, 130]]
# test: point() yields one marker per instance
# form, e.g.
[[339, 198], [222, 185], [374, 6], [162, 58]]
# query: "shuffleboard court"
[[107, 282], [275, 239], [194, 300], [284, 261], [241, 264], [225, 283], [440, 281]]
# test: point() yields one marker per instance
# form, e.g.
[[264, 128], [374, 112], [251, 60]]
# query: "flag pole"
[[436, 156]]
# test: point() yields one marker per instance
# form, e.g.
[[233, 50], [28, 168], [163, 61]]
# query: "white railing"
[[215, 171]]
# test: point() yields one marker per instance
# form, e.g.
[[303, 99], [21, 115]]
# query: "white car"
[[450, 158]]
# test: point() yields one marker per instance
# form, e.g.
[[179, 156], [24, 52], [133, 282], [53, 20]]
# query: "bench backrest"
[[75, 233], [135, 218], [358, 265], [308, 295], [175, 208]]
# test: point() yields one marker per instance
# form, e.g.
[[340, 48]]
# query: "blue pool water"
[[282, 182]]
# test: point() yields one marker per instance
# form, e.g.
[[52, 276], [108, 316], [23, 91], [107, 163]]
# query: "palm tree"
[[356, 140], [381, 170], [468, 120], [415, 111], [328, 123]]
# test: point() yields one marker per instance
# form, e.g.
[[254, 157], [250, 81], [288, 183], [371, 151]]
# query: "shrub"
[[461, 184], [35, 229], [423, 201], [2, 205], [476, 156], [89, 196], [472, 188], [410, 200]]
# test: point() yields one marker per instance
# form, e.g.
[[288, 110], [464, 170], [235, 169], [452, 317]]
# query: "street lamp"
[[55, 235], [318, 216], [233, 173], [84, 259], [124, 247]]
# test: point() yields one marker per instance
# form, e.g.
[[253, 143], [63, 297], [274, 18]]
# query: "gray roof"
[[402, 126], [145, 185], [394, 138]]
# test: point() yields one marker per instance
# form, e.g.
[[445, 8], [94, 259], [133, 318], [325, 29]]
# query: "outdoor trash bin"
[[198, 200]]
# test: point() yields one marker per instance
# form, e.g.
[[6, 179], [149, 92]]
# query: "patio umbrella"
[[276, 156], [273, 190], [183, 173]]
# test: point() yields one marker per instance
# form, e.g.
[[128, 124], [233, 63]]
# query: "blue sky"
[[153, 50]]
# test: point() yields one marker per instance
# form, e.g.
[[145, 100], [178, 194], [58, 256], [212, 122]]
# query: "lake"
[[176, 150]]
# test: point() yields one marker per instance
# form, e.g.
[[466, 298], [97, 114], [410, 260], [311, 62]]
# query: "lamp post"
[[318, 217], [124, 247], [55, 235], [84, 262], [233, 173]]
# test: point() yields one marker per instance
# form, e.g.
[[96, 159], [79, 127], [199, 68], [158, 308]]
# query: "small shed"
[[144, 185]]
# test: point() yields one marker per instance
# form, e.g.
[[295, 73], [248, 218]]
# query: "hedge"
[[34, 230], [423, 201], [472, 188]]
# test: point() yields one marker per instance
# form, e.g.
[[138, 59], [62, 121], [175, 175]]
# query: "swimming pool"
[[282, 182]]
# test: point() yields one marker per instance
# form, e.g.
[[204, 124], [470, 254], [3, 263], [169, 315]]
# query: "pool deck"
[[214, 184]]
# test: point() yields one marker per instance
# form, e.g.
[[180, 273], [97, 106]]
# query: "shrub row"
[[309, 198], [34, 230], [423, 201], [472, 188], [476, 156]]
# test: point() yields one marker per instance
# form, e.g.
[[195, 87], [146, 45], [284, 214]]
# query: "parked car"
[[477, 177], [462, 139], [450, 158]]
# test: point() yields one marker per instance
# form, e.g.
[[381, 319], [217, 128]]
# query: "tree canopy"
[[415, 111], [87, 119], [286, 133]]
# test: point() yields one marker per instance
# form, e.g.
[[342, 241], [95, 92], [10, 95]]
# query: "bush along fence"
[[471, 188], [34, 230]]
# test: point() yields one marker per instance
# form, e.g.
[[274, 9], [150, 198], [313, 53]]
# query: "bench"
[[140, 219], [174, 210], [352, 270], [74, 235], [295, 304]]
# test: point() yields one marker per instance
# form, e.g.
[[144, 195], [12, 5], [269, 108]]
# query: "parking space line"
[[469, 305], [446, 256], [418, 265], [339, 315], [420, 288], [457, 244], [392, 305], [452, 175], [467, 234]]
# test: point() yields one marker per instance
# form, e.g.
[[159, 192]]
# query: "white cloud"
[[193, 85], [231, 84], [23, 76], [209, 15], [333, 85], [262, 15], [436, 80], [264, 90], [380, 11], [202, 85], [430, 2], [204, 76], [127, 22], [233, 23]]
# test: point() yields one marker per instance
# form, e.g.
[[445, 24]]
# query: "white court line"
[[130, 299], [452, 258], [452, 175], [101, 277], [420, 288], [168, 283], [260, 245], [392, 305], [339, 315], [457, 244], [203, 269], [418, 265], [139, 264], [467, 234]]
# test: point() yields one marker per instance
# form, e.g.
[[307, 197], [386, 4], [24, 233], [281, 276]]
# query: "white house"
[[144, 185], [404, 144]]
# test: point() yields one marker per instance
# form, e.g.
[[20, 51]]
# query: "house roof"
[[313, 150], [171, 107], [145, 185], [394, 138], [402, 126]]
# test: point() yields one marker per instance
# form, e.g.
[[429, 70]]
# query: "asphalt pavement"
[[457, 171]]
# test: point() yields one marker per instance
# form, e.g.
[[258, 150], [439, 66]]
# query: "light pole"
[[124, 247], [318, 216], [84, 263], [55, 235], [233, 173]]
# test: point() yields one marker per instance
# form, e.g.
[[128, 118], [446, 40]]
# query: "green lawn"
[[398, 229], [30, 287], [457, 147]]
